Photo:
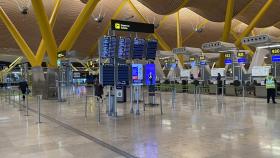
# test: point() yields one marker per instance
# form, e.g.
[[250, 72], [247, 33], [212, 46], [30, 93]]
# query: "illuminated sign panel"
[[119, 25], [275, 51], [240, 54]]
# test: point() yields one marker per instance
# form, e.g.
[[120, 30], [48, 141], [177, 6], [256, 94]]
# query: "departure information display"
[[123, 73], [275, 58], [228, 61], [108, 46], [138, 48], [275, 51], [150, 74], [124, 47], [151, 49], [107, 75], [137, 74]]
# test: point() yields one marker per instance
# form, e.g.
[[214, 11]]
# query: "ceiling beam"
[[106, 29], [255, 21], [26, 50], [46, 31], [78, 26], [161, 42], [42, 47]]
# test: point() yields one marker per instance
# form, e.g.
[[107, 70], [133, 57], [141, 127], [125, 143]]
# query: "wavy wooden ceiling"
[[195, 12]]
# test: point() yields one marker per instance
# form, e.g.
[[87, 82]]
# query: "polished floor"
[[230, 127]]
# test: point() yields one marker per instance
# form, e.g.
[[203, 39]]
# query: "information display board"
[[240, 54], [242, 60], [151, 52], [138, 48], [275, 58], [215, 71], [137, 74], [123, 73], [124, 47], [108, 46], [260, 71], [228, 61], [192, 59], [107, 76], [150, 74]]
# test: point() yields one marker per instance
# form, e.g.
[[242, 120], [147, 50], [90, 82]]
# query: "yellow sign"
[[275, 51], [240, 54], [227, 55], [192, 58], [202, 57], [117, 26]]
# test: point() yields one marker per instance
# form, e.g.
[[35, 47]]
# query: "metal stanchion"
[[14, 95], [137, 101], [131, 100], [39, 97], [26, 105], [99, 110], [160, 103], [86, 107], [9, 91], [19, 102], [173, 97]]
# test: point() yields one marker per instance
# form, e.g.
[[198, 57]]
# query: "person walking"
[[270, 84], [98, 90], [23, 87], [219, 83]]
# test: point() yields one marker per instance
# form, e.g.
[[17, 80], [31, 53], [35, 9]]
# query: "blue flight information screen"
[[151, 52], [108, 75], [228, 61], [124, 47], [241, 60], [137, 74], [275, 58], [123, 73], [138, 48], [150, 75], [108, 44]]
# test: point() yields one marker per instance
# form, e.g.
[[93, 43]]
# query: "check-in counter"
[[261, 91], [212, 88], [230, 90]]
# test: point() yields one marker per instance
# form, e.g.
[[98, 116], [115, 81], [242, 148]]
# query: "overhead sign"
[[228, 61], [241, 60], [119, 25], [240, 54], [202, 57], [227, 55], [275, 58], [275, 51], [192, 59]]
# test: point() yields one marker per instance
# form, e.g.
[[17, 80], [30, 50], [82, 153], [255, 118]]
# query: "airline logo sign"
[[119, 25]]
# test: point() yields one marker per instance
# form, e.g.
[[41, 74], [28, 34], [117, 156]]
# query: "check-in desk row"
[[229, 90]]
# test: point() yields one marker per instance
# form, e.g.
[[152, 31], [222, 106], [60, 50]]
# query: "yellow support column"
[[179, 38], [254, 22], [228, 19], [161, 42], [78, 26], [227, 27], [42, 47], [115, 15], [17, 37], [46, 31]]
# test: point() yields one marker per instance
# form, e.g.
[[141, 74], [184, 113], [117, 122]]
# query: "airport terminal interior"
[[139, 79]]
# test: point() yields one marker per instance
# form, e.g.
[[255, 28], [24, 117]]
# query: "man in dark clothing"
[[23, 86], [270, 84], [219, 83], [98, 89]]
